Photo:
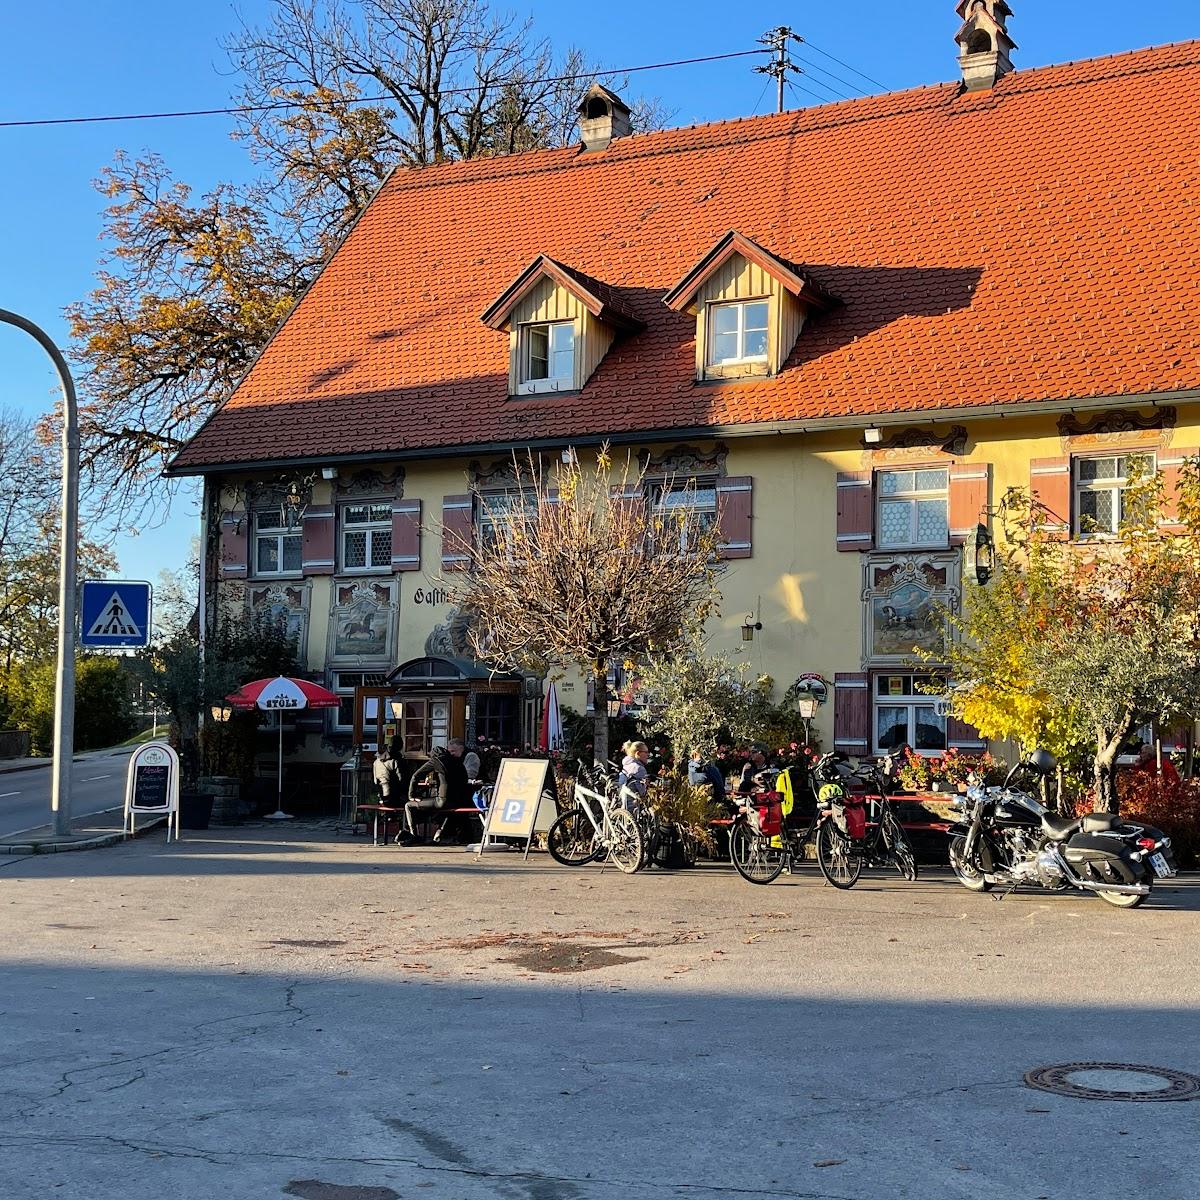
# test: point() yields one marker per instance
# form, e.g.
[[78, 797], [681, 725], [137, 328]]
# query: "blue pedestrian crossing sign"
[[114, 613]]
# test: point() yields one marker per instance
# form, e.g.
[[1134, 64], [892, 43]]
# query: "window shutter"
[[1169, 464], [317, 542], [968, 499], [735, 516], [1176, 739], [852, 713], [961, 736], [235, 539], [855, 511], [406, 535], [1050, 481], [457, 527]]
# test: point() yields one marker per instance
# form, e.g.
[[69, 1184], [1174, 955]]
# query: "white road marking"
[[89, 778], [3, 794]]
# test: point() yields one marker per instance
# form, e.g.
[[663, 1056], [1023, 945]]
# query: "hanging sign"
[[152, 785], [520, 804]]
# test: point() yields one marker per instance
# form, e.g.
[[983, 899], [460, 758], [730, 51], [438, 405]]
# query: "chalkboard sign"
[[152, 786]]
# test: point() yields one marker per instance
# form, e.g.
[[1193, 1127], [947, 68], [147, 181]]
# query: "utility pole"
[[64, 680], [777, 40]]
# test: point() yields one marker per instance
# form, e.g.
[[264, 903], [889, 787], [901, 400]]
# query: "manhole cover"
[[1114, 1081]]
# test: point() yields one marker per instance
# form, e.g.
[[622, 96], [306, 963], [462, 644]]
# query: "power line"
[[861, 74], [252, 108], [810, 67]]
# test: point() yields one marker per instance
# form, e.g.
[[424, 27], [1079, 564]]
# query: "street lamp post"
[[64, 679]]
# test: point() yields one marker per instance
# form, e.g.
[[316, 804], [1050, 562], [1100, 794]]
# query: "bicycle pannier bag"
[[769, 816]]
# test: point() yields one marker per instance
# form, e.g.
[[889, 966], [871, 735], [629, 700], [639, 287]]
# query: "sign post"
[[114, 614], [152, 786], [518, 802]]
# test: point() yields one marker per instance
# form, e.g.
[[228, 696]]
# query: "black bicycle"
[[864, 830]]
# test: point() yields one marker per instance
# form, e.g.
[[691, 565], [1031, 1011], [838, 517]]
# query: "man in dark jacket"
[[451, 788]]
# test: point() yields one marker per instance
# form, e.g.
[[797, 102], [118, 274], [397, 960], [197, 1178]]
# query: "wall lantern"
[[985, 554], [221, 712], [752, 622]]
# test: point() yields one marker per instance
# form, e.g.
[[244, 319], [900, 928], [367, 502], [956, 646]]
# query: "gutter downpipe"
[[64, 678]]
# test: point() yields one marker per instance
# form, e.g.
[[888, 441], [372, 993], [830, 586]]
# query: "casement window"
[[498, 718], [905, 716], [501, 517], [1100, 484], [344, 684], [686, 509], [277, 548], [913, 508], [547, 356], [737, 333], [366, 536]]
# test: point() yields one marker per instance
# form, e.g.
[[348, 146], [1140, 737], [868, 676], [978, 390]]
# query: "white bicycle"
[[595, 827]]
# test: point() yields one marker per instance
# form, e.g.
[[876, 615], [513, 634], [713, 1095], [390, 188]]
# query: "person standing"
[[386, 777]]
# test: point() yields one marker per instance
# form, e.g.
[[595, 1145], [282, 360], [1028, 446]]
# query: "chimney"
[[603, 116], [983, 43]]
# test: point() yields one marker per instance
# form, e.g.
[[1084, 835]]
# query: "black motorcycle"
[[1008, 837]]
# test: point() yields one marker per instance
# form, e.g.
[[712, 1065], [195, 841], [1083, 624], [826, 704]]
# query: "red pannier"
[[853, 816], [767, 814]]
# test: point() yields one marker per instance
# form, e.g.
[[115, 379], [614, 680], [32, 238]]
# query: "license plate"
[[1161, 869]]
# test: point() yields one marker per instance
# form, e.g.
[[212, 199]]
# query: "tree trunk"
[[600, 715], [1105, 771]]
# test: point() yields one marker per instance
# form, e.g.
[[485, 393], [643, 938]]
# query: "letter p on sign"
[[513, 810]]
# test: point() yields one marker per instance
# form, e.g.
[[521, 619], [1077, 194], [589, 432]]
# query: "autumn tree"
[[334, 95], [577, 569], [1078, 644]]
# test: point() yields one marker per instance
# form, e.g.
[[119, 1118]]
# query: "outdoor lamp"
[[807, 706], [872, 435], [985, 554], [749, 626], [221, 712], [614, 706], [396, 708]]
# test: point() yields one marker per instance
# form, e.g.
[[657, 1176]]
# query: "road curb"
[[93, 843]]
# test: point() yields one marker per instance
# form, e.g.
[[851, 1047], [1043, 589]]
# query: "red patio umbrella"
[[282, 694]]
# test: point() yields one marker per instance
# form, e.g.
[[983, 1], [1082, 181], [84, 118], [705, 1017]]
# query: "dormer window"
[[750, 307], [737, 333], [548, 356], [560, 324]]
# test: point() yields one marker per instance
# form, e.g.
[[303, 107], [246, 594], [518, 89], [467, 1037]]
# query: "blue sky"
[[77, 58]]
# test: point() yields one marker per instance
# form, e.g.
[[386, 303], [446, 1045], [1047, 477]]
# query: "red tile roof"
[[1031, 243]]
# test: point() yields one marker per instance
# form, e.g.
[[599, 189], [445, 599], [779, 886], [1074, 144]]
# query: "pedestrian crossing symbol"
[[114, 614]]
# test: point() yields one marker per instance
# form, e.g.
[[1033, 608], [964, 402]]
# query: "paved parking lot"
[[283, 1012]]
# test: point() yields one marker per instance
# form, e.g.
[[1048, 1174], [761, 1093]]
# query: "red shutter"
[[317, 542], [406, 535], [852, 713], [968, 499], [961, 736], [235, 538], [1169, 464], [855, 511], [457, 530], [735, 516], [1050, 481]]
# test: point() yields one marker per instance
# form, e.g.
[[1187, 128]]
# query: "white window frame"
[[912, 498], [1118, 484], [739, 306], [911, 700], [488, 502], [345, 684], [279, 533], [372, 527], [656, 490], [550, 382]]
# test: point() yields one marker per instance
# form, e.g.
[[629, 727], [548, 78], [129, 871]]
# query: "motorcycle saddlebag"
[[1102, 859]]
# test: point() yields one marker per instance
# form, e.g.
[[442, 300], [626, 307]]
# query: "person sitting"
[[1148, 764], [753, 773], [386, 777], [451, 790], [701, 772], [634, 775], [471, 765]]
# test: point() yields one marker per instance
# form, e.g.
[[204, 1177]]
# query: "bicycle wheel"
[[840, 863], [625, 845], [573, 840], [756, 860], [903, 858]]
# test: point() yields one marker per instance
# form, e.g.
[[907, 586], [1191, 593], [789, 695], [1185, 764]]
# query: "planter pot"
[[195, 810], [226, 794]]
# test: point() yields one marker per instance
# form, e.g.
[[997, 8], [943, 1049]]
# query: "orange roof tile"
[[1031, 243]]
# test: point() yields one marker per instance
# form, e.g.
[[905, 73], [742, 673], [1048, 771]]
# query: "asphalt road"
[[97, 783], [282, 1011]]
